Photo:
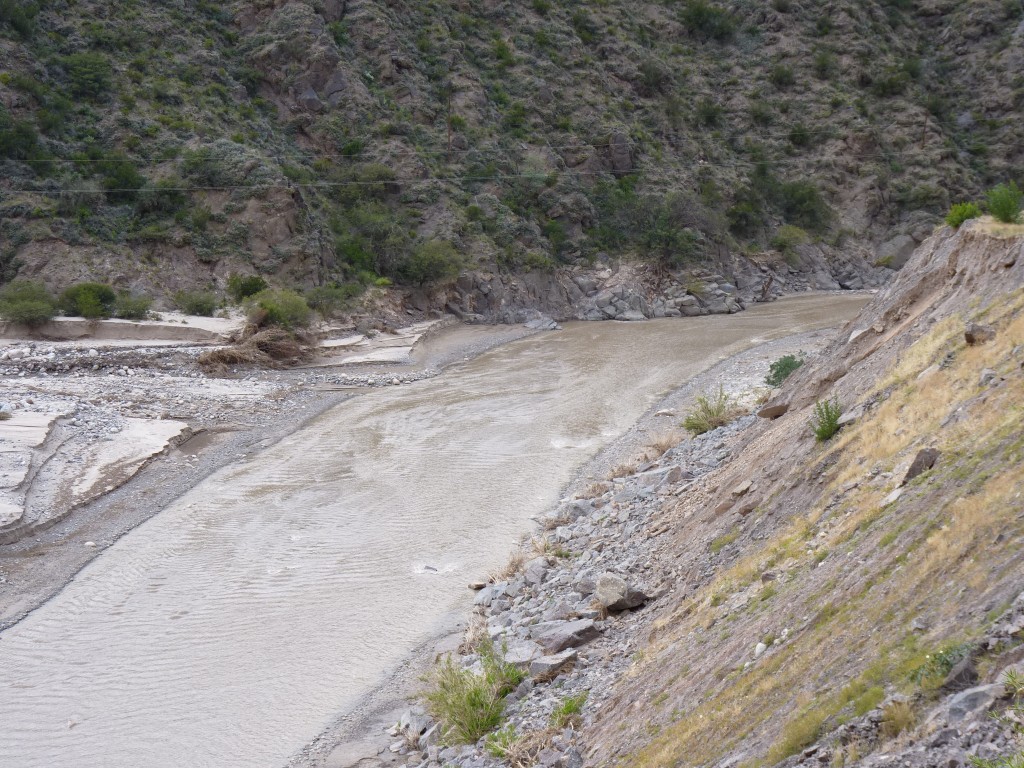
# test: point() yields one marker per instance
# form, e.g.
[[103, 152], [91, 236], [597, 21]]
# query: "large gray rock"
[[549, 666], [974, 702], [536, 570], [976, 333], [555, 636], [616, 595], [924, 461], [521, 652]]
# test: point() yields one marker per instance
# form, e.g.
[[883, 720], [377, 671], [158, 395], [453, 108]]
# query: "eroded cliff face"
[[815, 591]]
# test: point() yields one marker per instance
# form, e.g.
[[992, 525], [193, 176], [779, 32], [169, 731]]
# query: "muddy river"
[[233, 626]]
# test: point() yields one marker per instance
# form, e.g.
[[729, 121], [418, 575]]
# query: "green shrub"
[[1004, 202], [164, 197], [88, 300], [825, 421], [129, 307], [469, 705], [201, 303], [19, 140], [90, 73], [803, 205], [431, 262], [961, 212], [243, 286], [708, 21], [781, 369], [711, 411], [27, 303], [709, 112], [282, 307]]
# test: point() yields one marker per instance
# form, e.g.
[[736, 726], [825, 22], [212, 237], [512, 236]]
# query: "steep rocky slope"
[[756, 597], [166, 145]]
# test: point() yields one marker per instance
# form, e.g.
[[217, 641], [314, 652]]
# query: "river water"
[[232, 627]]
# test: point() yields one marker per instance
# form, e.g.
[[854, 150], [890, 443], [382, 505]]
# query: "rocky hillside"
[[165, 145], [757, 596]]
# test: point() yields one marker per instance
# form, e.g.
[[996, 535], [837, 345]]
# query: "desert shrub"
[[243, 286], [761, 113], [567, 711], [709, 112], [788, 238], [469, 705], [710, 412], [90, 73], [654, 77], [1004, 202], [163, 197], [282, 307], [824, 64], [27, 303], [825, 421], [224, 163], [585, 27], [803, 205], [799, 135], [202, 303], [782, 76], [19, 16], [88, 300], [130, 307], [326, 300], [781, 369], [707, 21], [431, 262], [961, 212], [120, 179], [897, 717], [19, 139]]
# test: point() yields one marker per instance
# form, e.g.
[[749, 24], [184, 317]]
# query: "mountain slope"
[[166, 145]]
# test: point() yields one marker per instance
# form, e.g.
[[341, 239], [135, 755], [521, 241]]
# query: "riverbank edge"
[[361, 734]]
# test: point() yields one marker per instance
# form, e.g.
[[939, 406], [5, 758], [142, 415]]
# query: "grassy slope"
[[870, 592]]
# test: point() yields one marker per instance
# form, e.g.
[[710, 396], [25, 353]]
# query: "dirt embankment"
[[758, 596]]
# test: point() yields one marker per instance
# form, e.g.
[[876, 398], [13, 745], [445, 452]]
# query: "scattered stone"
[[742, 489], [759, 649], [974, 702], [549, 666], [963, 675], [988, 377], [477, 585], [849, 417], [536, 570]]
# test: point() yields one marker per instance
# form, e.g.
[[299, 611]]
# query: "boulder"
[[976, 333], [924, 461], [549, 666], [536, 570], [974, 702], [616, 595], [521, 652], [773, 410], [555, 636]]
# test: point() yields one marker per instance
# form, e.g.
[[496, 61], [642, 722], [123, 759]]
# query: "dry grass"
[[622, 470], [519, 751], [663, 443], [512, 568], [897, 717], [990, 226], [268, 348]]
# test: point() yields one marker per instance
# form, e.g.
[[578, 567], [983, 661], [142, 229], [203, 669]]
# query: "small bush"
[[129, 307], [19, 16], [201, 303], [961, 212], [712, 411], [1004, 202], [243, 286], [468, 705], [327, 300], [88, 300], [788, 238], [781, 369], [431, 262], [825, 421], [782, 76], [283, 307], [567, 712], [797, 734], [27, 303], [897, 717], [708, 21]]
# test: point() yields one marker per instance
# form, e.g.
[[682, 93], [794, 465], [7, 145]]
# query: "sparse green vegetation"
[[781, 369], [243, 286], [284, 308], [568, 710], [825, 422], [131, 307]]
